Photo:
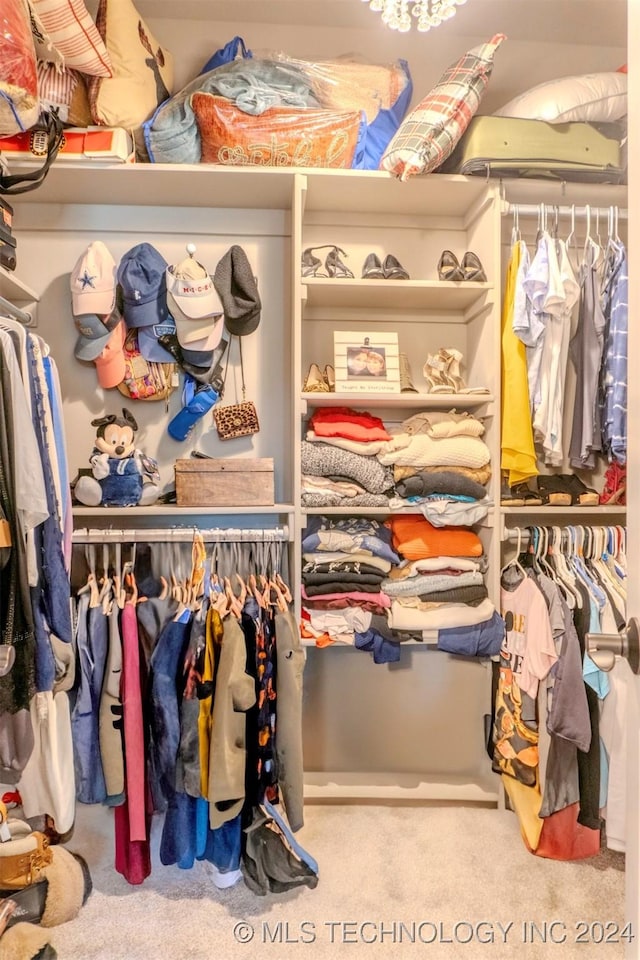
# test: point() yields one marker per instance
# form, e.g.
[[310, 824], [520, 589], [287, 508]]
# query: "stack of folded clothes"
[[344, 563], [339, 465], [439, 591], [440, 466]]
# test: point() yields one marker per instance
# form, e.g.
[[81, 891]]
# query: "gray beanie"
[[236, 286]]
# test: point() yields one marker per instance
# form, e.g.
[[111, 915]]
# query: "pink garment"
[[529, 641], [133, 857], [133, 724], [380, 599]]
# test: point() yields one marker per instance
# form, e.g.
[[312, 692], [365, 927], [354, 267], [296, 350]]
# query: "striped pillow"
[[431, 131], [74, 35]]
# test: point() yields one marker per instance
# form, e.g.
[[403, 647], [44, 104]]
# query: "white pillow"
[[591, 98]]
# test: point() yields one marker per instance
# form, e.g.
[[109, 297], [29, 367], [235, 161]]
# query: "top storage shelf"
[[263, 188], [13, 289]]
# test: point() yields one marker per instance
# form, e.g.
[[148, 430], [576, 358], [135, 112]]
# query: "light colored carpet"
[[429, 868]]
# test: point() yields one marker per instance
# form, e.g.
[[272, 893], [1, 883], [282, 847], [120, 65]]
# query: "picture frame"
[[366, 362]]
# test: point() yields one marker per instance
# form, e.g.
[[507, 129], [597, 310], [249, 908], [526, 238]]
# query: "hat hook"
[[191, 249]]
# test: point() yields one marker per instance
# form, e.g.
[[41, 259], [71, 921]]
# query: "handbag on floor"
[[235, 419]]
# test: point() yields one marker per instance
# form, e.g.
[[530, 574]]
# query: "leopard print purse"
[[235, 420]]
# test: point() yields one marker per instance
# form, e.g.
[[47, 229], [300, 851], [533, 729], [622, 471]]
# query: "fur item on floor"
[[69, 887], [24, 941]]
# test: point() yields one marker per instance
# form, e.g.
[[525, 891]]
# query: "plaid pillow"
[[431, 131]]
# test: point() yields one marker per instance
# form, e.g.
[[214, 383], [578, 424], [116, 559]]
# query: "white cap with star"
[[93, 281]]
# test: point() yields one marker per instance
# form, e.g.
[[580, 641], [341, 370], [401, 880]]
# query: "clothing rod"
[[182, 535], [534, 210], [7, 307]]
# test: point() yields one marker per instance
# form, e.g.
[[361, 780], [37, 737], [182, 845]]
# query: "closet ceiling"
[[590, 22]]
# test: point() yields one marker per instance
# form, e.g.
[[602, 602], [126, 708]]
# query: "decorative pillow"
[[591, 98], [56, 88], [73, 34], [45, 49], [279, 137], [429, 134], [142, 69], [19, 103]]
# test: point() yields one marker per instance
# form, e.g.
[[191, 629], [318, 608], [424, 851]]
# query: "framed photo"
[[366, 362]]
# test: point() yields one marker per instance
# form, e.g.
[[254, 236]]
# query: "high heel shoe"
[[334, 265], [472, 269], [310, 264], [448, 267], [372, 268], [315, 381], [452, 360], [434, 372], [393, 269], [329, 376]]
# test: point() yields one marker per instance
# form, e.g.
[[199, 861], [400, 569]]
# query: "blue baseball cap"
[[142, 279], [94, 333], [148, 340]]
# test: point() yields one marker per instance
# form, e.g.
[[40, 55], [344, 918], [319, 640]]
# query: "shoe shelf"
[[395, 294], [602, 510], [418, 401]]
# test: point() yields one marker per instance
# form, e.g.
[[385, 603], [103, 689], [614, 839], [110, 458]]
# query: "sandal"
[[435, 373], [448, 267], [393, 269], [334, 265], [554, 491], [453, 358], [580, 492], [315, 381], [472, 269], [518, 495], [311, 265], [372, 268]]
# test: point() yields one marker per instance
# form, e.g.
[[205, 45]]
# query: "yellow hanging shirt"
[[518, 452]]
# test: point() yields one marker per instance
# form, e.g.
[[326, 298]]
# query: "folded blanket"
[[438, 424], [334, 500], [341, 488], [315, 579], [480, 475], [446, 615], [423, 450], [433, 565], [353, 596], [320, 560], [342, 568], [445, 481], [368, 448], [324, 460], [429, 583], [334, 587], [472, 595]]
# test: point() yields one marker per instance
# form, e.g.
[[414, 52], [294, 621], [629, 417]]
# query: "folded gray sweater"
[[325, 460]]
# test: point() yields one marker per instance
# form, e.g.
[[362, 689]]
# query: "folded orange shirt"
[[415, 538]]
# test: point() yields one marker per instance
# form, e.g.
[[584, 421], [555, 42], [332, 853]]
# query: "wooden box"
[[237, 482]]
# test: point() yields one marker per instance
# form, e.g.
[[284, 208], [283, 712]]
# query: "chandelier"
[[397, 14]]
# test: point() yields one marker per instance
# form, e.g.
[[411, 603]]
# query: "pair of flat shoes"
[[469, 268], [390, 269]]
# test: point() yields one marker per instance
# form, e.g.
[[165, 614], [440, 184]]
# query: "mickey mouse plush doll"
[[122, 475]]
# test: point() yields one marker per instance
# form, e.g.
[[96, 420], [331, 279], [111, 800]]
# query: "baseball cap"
[[148, 337], [141, 275], [110, 365], [193, 302], [93, 281], [94, 333]]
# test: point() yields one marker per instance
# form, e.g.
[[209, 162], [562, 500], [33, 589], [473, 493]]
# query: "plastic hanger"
[[514, 564]]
